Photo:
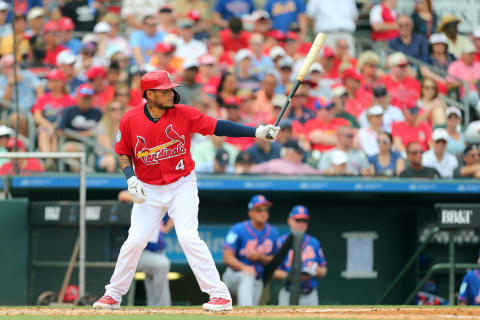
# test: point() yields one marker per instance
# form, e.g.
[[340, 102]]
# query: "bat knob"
[[268, 136]]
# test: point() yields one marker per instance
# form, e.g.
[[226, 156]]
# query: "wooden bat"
[[307, 64], [68, 274]]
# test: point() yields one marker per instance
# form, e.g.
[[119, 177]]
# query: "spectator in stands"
[[243, 163], [47, 110], [188, 47], [285, 133], [367, 65], [424, 18], [35, 18], [476, 43], [82, 118], [456, 42], [135, 11], [5, 133], [471, 166], [143, 42], [391, 113], [357, 162], [220, 164], [285, 12], [103, 91], [5, 26], [204, 151], [29, 88], [439, 57], [67, 40], [23, 46], [401, 87], [82, 13], [234, 37], [298, 110], [106, 135], [19, 166], [411, 130], [432, 109], [415, 167], [262, 106], [358, 98], [326, 58], [339, 99], [386, 162], [162, 57], [437, 157], [290, 163], [467, 70], [337, 19], [122, 94], [88, 58], [65, 62], [114, 40], [456, 140], [225, 10], [262, 151], [368, 136], [383, 20], [285, 66], [189, 90], [243, 65], [321, 130], [411, 44], [35, 62], [227, 87], [167, 19], [261, 63], [472, 133], [183, 7], [51, 34], [262, 22], [342, 59]]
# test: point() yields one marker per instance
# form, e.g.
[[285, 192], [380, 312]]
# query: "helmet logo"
[[169, 77]]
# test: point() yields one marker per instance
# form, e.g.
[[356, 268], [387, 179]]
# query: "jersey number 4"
[[180, 165]]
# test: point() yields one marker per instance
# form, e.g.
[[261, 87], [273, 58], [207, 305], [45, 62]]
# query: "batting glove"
[[268, 132], [311, 269], [135, 189]]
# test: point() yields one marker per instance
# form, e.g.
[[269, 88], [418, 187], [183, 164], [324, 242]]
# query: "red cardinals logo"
[[170, 149]]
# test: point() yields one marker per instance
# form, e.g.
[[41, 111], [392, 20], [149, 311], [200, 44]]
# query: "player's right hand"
[[267, 132], [135, 189], [249, 270]]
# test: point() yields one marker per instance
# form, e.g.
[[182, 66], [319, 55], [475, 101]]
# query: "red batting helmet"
[[159, 79], [71, 293]]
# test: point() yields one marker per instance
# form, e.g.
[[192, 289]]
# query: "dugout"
[[397, 211]]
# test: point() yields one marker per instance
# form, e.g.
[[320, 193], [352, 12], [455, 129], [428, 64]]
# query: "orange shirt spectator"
[[411, 130]]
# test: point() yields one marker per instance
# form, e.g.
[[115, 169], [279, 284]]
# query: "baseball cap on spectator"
[[66, 57], [260, 14], [339, 157], [85, 90], [166, 8], [476, 32], [276, 34], [50, 26], [440, 134], [194, 15], [316, 67], [222, 157], [285, 62], [326, 52], [185, 23], [276, 52], [243, 54], [279, 100], [339, 91], [453, 110], [206, 60], [299, 212], [438, 38], [411, 107], [66, 24], [291, 36], [96, 72], [285, 123], [379, 91], [5, 131], [375, 110], [56, 74], [447, 19], [293, 144], [397, 59], [10, 144], [257, 201], [34, 13], [163, 47], [102, 27], [190, 64], [4, 6], [472, 133], [171, 39], [467, 48], [322, 104], [351, 73]]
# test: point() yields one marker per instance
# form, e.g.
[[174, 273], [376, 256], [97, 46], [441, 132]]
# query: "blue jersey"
[[234, 8], [311, 253], [470, 288], [243, 237], [284, 12]]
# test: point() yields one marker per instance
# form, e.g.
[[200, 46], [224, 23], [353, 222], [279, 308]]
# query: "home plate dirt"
[[393, 313]]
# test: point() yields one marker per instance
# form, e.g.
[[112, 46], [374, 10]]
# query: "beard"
[[165, 107]]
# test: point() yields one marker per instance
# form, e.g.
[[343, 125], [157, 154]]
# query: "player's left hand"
[[268, 132], [311, 270]]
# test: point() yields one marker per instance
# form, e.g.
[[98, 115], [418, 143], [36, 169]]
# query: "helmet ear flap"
[[176, 97]]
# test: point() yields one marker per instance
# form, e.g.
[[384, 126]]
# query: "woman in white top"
[[368, 136]]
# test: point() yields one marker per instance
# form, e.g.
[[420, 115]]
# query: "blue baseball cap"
[[323, 104], [299, 212], [258, 200]]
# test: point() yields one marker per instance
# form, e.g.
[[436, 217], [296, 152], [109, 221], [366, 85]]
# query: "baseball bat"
[[307, 64]]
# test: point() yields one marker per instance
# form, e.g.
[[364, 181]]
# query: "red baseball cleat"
[[106, 302], [217, 304]]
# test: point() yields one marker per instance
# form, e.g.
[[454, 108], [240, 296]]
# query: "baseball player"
[[248, 247], [153, 144], [313, 261], [469, 293]]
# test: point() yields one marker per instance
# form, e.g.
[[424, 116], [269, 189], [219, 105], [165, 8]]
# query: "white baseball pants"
[[181, 201], [310, 299], [247, 288], [156, 266]]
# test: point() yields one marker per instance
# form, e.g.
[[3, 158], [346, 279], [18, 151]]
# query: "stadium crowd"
[[375, 112]]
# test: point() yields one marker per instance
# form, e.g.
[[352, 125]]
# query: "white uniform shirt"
[[445, 167], [332, 15]]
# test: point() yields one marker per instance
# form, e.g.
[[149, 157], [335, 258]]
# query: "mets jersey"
[[311, 253], [470, 288], [243, 237], [160, 149]]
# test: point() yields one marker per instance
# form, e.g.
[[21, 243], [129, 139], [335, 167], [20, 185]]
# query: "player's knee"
[[138, 241], [186, 237]]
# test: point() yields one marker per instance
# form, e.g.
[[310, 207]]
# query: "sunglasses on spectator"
[[261, 209], [441, 141], [371, 65], [429, 87], [116, 109], [89, 53], [122, 94], [383, 141], [403, 66], [453, 116], [301, 220], [349, 135], [415, 152]]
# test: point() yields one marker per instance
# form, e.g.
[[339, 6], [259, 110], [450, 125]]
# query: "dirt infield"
[[371, 313]]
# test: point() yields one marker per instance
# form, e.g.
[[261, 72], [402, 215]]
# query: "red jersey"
[[51, 55], [329, 128], [101, 99], [361, 102], [52, 107], [233, 43], [402, 92], [160, 150], [422, 133], [30, 166]]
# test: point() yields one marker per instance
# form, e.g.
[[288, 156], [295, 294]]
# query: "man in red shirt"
[[358, 99], [411, 130], [154, 138], [342, 57], [401, 87], [51, 32], [103, 91], [25, 166], [321, 131]]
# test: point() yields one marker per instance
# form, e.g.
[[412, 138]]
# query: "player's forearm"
[[125, 163], [321, 271], [264, 259], [233, 129], [280, 274], [230, 260]]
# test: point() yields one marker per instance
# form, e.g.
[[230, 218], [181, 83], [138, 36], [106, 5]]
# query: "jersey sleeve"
[[232, 240], [274, 240], [464, 292], [39, 104], [376, 15], [123, 143], [199, 122], [320, 255]]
